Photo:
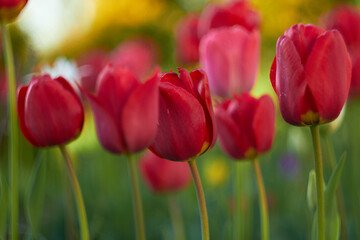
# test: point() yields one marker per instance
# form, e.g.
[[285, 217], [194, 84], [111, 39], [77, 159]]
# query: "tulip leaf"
[[35, 196], [4, 208], [332, 219]]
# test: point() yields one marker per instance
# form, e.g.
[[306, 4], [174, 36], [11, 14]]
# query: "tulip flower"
[[128, 53], [186, 121], [230, 57], [125, 110], [346, 19], [162, 175], [10, 9], [50, 112], [90, 66], [233, 13], [186, 125], [311, 74], [187, 40], [246, 125], [246, 128]]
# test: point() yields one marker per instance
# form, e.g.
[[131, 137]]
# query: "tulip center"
[[310, 118]]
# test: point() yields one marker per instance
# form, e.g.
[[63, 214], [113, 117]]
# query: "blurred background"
[[54, 36]]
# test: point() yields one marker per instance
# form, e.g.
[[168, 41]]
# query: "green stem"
[[176, 218], [262, 202], [201, 200], [138, 210], [84, 229], [319, 181], [237, 227], [13, 134], [339, 193]]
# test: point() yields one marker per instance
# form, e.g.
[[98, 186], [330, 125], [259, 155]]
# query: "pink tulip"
[[230, 56], [125, 110], [162, 175]]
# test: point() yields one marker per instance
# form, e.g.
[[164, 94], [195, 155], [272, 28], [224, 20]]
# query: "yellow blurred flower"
[[216, 171]]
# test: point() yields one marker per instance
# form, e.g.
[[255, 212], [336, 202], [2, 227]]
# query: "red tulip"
[[10, 9], [311, 74], [187, 40], [125, 110], [162, 175], [186, 121], [50, 112], [230, 57], [346, 19], [233, 13], [90, 66], [246, 125], [139, 56]]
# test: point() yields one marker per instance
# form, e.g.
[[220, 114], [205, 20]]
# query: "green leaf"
[[4, 208], [34, 201]]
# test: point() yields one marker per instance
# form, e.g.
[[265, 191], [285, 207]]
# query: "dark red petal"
[[115, 85], [182, 124], [264, 123], [201, 85], [21, 109], [106, 127], [273, 75], [52, 114], [140, 115], [229, 134], [290, 80], [328, 74]]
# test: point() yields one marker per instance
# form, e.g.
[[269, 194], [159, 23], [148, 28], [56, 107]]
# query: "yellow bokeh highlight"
[[216, 172]]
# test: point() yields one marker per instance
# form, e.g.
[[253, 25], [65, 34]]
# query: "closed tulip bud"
[[346, 19], [162, 175], [311, 74], [50, 112], [10, 9], [186, 121], [230, 57], [139, 56], [246, 125], [233, 13], [125, 110], [187, 40]]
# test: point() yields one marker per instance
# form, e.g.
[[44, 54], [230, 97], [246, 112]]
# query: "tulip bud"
[[246, 125], [125, 110], [162, 175], [186, 121], [10, 9], [230, 57], [311, 74], [346, 19], [50, 112], [311, 195]]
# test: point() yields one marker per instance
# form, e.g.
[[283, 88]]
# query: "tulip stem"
[[237, 227], [176, 218], [84, 229], [13, 132], [319, 181], [137, 204], [201, 200], [262, 202]]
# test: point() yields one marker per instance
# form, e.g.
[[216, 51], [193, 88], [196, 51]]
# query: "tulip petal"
[[106, 127], [264, 123], [328, 74], [21, 109], [229, 134], [182, 124], [290, 82], [140, 115]]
